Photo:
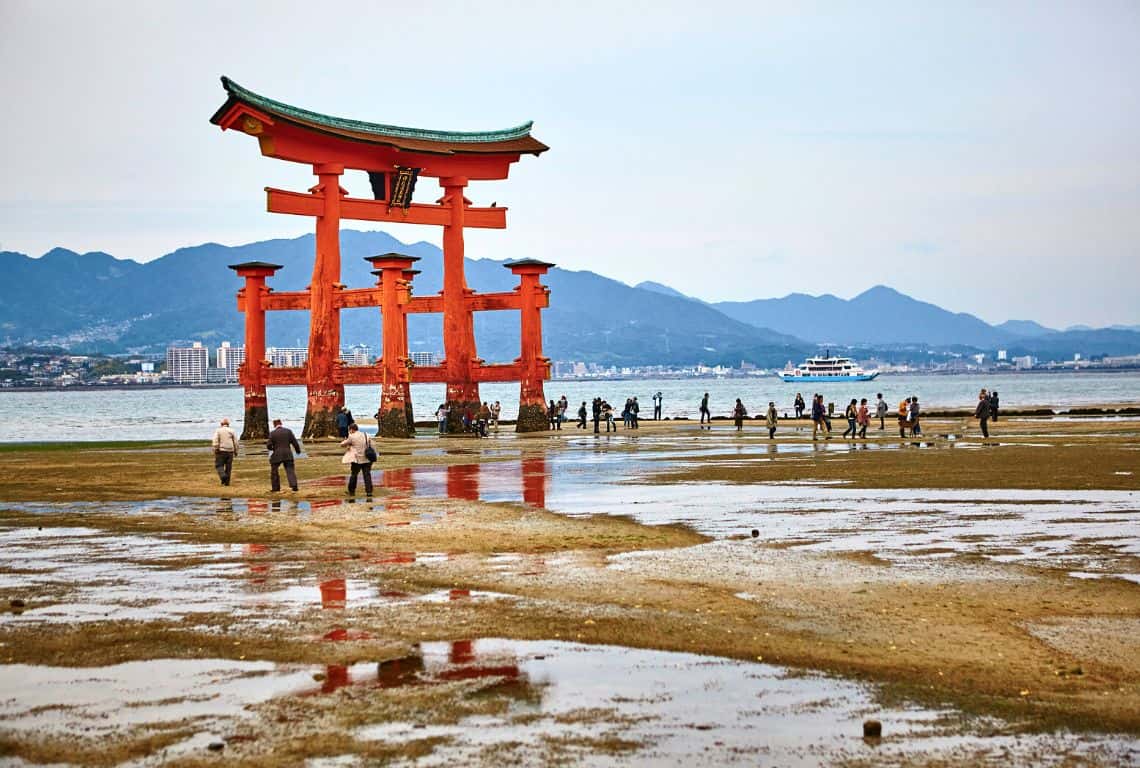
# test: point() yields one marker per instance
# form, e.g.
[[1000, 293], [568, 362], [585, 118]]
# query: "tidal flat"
[[664, 596]]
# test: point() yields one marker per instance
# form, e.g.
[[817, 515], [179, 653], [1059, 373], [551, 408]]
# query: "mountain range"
[[95, 302]]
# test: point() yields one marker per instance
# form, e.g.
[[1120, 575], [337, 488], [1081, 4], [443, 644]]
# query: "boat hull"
[[790, 377]]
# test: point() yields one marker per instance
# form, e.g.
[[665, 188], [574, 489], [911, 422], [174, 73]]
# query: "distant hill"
[[1026, 328], [880, 315], [664, 290], [93, 301]]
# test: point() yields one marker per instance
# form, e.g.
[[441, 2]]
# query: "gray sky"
[[981, 156]]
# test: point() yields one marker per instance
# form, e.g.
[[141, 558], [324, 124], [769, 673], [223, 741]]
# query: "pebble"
[[755, 533], [872, 729], [16, 603], [216, 746]]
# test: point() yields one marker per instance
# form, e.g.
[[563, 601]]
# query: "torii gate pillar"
[[253, 374], [535, 367]]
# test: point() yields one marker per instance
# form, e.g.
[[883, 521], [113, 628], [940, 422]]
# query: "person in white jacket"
[[357, 444], [225, 448]]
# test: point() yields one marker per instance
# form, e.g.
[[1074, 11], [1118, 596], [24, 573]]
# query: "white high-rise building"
[[361, 354], [187, 365], [423, 358], [287, 357], [230, 360]]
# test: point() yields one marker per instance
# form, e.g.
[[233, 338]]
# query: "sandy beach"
[[992, 586]]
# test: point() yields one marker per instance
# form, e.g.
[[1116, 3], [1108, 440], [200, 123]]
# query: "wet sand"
[[986, 587]]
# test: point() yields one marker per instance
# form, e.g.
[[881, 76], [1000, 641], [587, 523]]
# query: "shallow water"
[[667, 708], [178, 413]]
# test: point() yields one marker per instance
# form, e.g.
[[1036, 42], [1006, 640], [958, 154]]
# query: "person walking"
[[770, 419], [705, 415], [582, 415], [496, 409], [482, 419], [342, 422], [994, 406], [863, 418], [881, 410], [982, 413], [225, 446], [552, 415], [281, 444], [817, 417], [904, 416], [596, 408], [356, 456], [738, 414], [441, 416], [851, 413], [799, 406], [915, 427], [658, 404]]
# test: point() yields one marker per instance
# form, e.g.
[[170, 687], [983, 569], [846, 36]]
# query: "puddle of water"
[[687, 709], [661, 708], [97, 702]]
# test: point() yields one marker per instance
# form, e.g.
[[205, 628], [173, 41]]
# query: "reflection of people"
[[225, 448], [281, 444], [357, 445]]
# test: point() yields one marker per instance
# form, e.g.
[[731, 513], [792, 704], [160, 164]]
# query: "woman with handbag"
[[360, 455]]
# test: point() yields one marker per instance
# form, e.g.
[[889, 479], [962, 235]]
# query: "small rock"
[[755, 533], [16, 603], [1076, 671], [872, 729], [319, 676], [216, 746]]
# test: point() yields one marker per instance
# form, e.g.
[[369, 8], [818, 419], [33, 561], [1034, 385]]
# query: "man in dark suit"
[[282, 442]]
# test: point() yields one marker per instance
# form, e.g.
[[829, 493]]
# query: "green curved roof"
[[378, 130]]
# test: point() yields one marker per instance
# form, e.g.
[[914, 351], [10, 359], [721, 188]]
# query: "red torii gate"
[[392, 155]]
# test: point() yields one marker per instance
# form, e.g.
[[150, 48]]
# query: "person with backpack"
[[738, 414], [982, 413], [582, 415], [851, 413], [881, 410]]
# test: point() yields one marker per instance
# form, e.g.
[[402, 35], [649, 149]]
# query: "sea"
[[188, 413]]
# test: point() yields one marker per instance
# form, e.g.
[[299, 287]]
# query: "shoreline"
[[589, 379]]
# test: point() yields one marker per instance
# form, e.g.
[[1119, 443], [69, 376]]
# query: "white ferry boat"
[[826, 368]]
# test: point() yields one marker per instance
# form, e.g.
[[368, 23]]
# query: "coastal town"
[[198, 365]]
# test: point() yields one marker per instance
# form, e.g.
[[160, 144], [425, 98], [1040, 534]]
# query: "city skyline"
[[979, 158]]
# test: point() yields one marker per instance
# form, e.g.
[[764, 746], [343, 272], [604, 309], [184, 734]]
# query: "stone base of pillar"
[[532, 418], [256, 423], [455, 416], [394, 423], [320, 423]]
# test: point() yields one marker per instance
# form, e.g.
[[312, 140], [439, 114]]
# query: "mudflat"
[[995, 583]]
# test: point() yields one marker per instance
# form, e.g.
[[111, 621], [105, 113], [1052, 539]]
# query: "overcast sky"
[[981, 156]]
